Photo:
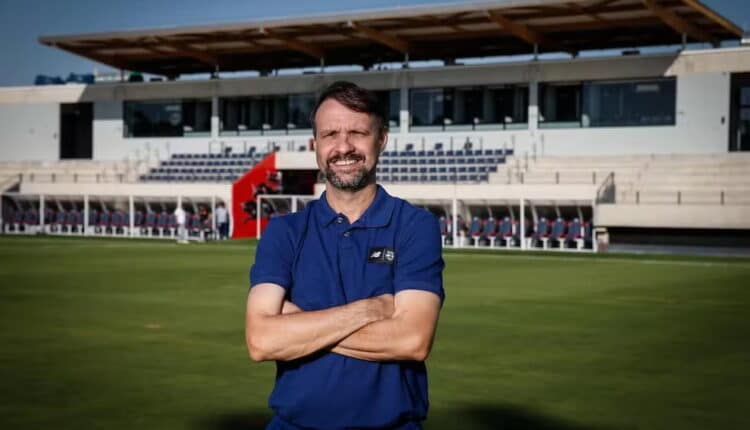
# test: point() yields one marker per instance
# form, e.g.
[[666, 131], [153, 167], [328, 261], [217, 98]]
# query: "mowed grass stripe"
[[115, 333]]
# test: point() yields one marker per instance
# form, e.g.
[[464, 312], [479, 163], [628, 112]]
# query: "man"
[[181, 218], [345, 294], [222, 221]]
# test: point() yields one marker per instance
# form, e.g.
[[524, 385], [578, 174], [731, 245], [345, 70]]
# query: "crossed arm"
[[381, 328]]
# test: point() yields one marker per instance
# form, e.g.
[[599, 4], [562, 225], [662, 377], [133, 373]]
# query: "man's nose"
[[344, 143]]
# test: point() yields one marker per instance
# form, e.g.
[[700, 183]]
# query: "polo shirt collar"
[[378, 214]]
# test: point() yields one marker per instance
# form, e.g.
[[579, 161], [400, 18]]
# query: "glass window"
[[390, 101], [560, 103], [507, 105], [267, 113], [464, 105], [630, 103], [427, 105], [166, 118], [300, 107]]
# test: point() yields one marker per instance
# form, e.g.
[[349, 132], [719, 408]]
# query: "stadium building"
[[522, 124]]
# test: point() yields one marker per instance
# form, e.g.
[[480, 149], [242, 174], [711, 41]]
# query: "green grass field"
[[117, 334]]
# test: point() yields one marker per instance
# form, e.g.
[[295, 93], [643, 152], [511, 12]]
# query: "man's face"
[[347, 146]]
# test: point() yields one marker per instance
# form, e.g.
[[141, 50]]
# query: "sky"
[[22, 57]]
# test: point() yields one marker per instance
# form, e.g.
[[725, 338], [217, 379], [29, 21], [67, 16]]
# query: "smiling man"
[[345, 295]]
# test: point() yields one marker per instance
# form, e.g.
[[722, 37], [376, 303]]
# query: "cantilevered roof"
[[433, 32]]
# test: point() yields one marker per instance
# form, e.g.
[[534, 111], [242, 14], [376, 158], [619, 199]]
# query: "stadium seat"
[[506, 231], [558, 232], [541, 234], [491, 230], [575, 234], [475, 230]]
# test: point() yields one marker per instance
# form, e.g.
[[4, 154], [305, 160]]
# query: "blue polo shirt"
[[322, 261]]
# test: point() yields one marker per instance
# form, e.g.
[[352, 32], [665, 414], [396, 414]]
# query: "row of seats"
[[437, 170], [234, 162], [449, 153], [565, 234], [199, 170], [420, 178], [212, 156], [189, 178], [148, 224], [491, 159]]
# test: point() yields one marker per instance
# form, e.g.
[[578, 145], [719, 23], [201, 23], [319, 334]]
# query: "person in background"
[[222, 221], [181, 216]]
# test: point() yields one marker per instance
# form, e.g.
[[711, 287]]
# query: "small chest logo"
[[381, 255]]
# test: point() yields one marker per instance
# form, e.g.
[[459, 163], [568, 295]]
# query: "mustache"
[[350, 156]]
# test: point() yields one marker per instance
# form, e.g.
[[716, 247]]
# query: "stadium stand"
[[438, 165], [712, 179], [70, 171], [203, 167]]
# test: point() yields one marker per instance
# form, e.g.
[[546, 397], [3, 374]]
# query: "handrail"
[[607, 190]]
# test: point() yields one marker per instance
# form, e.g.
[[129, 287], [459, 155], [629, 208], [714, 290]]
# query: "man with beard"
[[345, 294]]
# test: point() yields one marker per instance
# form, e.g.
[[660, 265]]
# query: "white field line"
[[741, 264]]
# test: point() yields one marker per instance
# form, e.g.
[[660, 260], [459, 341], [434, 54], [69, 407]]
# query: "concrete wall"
[[702, 126], [701, 122], [29, 132], [673, 216]]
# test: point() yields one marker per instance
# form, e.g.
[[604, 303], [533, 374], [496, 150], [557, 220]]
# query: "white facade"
[[30, 120]]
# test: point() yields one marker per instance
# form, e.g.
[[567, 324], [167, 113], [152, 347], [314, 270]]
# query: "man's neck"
[[351, 203]]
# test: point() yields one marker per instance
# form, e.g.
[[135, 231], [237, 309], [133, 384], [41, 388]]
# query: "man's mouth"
[[343, 162]]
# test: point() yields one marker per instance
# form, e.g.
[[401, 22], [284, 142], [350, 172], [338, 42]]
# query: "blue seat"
[[558, 229]]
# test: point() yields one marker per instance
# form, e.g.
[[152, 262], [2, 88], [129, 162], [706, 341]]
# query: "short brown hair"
[[355, 98]]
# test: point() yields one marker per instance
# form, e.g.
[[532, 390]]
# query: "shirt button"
[[347, 234], [339, 220]]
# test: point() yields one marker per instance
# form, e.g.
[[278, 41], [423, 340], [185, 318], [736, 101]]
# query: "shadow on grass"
[[481, 417], [497, 417], [235, 421]]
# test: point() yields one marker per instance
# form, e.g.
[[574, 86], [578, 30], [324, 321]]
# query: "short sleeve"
[[274, 256], [419, 260]]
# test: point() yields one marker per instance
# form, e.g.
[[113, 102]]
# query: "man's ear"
[[383, 140]]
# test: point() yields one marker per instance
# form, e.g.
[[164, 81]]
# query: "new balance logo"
[[381, 255]]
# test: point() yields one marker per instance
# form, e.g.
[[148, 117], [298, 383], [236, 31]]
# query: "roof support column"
[[533, 112], [214, 117], [403, 115]]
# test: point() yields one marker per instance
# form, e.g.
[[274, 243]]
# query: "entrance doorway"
[[76, 123], [739, 122]]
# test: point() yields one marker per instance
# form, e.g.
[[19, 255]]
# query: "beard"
[[356, 181]]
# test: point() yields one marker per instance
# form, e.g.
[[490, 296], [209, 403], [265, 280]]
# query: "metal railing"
[[607, 191], [684, 197]]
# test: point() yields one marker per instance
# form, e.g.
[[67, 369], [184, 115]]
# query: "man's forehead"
[[333, 114]]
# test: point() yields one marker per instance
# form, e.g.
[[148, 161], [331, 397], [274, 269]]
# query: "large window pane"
[[390, 102], [633, 103], [300, 107], [507, 105], [560, 104], [166, 118], [196, 117], [466, 106], [427, 106]]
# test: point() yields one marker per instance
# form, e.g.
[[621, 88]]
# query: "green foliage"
[[117, 334]]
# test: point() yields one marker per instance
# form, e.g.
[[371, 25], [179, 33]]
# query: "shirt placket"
[[346, 254]]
